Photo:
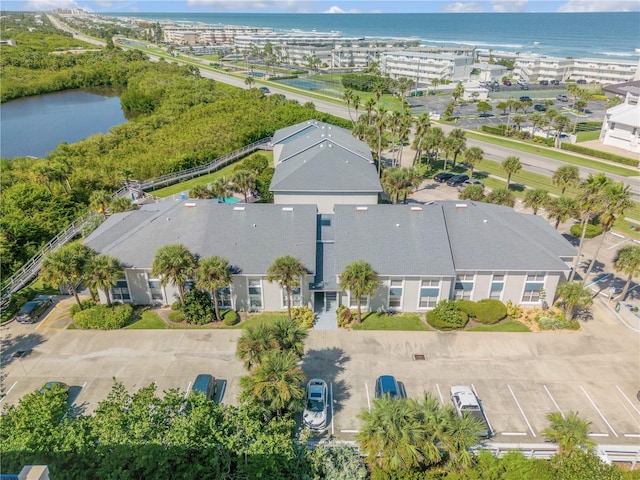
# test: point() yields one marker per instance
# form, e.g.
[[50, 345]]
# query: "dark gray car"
[[33, 310]]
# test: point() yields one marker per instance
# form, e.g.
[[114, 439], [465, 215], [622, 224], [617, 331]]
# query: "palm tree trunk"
[[181, 293], [623, 295], [577, 260], [107, 295], [289, 302], [557, 222], [215, 304], [595, 255], [75, 294], [359, 310]]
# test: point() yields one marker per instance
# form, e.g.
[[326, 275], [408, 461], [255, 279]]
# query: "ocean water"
[[585, 35]]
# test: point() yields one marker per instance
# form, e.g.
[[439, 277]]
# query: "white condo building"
[[622, 125]]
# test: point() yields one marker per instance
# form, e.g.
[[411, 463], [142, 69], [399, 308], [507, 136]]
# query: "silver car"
[[316, 407]]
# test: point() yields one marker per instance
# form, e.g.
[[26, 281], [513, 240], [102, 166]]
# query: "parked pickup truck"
[[465, 400]]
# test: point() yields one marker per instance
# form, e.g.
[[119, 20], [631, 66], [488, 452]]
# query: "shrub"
[[592, 230], [104, 317], [488, 311], [572, 147], [176, 306], [345, 316], [230, 318], [497, 130], [198, 308], [176, 317], [513, 310], [447, 316], [86, 304], [549, 321], [304, 316]]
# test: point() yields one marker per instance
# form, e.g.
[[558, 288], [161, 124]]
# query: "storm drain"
[[419, 356], [19, 354]]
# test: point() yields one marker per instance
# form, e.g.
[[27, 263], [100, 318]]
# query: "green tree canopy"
[[361, 280], [174, 263], [287, 271]]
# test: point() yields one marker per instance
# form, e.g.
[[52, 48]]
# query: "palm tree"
[[287, 271], [536, 198], [449, 146], [100, 201], [67, 267], [433, 142], [475, 193], [617, 200], [380, 122], [560, 122], [572, 296], [276, 383], [570, 432], [461, 433], [590, 205], [212, 274], [289, 336], [348, 99], [220, 188], [359, 279], [511, 165], [460, 142], [254, 343], [103, 272], [122, 204], [393, 181], [423, 122], [535, 119], [561, 209], [243, 181], [501, 196], [472, 157], [392, 434], [565, 176], [174, 263], [519, 119], [249, 81], [627, 260]]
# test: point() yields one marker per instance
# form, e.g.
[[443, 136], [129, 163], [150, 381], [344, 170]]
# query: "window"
[[464, 286], [535, 283], [613, 126], [296, 297], [121, 291], [395, 294], [224, 297], [156, 289], [429, 293], [497, 285], [353, 301], [255, 293], [634, 131]]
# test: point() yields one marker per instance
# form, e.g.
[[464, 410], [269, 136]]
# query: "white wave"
[[474, 44], [620, 54]]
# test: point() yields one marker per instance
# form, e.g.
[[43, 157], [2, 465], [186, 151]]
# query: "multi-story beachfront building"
[[621, 127], [207, 34], [424, 65]]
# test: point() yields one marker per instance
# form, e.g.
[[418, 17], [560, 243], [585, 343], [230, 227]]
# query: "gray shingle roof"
[[249, 236], [493, 237], [394, 239]]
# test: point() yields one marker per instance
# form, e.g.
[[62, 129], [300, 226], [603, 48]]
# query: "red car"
[[507, 83]]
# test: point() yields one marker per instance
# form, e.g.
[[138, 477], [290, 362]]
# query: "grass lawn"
[[555, 154], [508, 326], [189, 184], [148, 321], [377, 321], [586, 136]]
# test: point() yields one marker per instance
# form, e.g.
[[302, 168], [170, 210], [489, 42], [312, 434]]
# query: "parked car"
[[539, 108], [555, 82], [507, 83], [582, 81], [562, 97], [205, 384], [544, 82], [317, 405], [52, 385], [387, 386], [525, 98], [33, 310], [265, 90], [443, 176], [465, 400], [522, 81], [524, 87], [457, 180], [471, 181]]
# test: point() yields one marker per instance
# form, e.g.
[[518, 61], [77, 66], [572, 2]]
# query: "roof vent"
[[240, 209], [485, 221], [397, 224], [461, 205], [287, 209], [362, 209], [190, 204], [416, 209], [430, 202]]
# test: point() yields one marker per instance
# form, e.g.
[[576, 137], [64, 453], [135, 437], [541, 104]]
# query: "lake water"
[[34, 126]]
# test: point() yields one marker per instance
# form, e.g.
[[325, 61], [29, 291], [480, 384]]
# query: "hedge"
[[104, 317], [304, 316], [229, 317], [499, 130], [599, 154], [592, 230], [488, 311], [447, 316]]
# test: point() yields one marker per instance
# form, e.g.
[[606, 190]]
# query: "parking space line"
[[628, 400], [521, 411], [514, 434], [186, 394], [440, 394], [598, 435], [598, 410], [224, 389], [349, 431], [632, 435], [8, 391], [553, 400], [486, 417], [331, 403], [366, 388]]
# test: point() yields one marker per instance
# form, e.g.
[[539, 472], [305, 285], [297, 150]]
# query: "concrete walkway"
[[326, 320]]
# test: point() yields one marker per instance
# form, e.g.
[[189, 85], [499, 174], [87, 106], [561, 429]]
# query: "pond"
[[34, 126]]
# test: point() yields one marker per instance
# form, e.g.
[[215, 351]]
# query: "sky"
[[326, 6]]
